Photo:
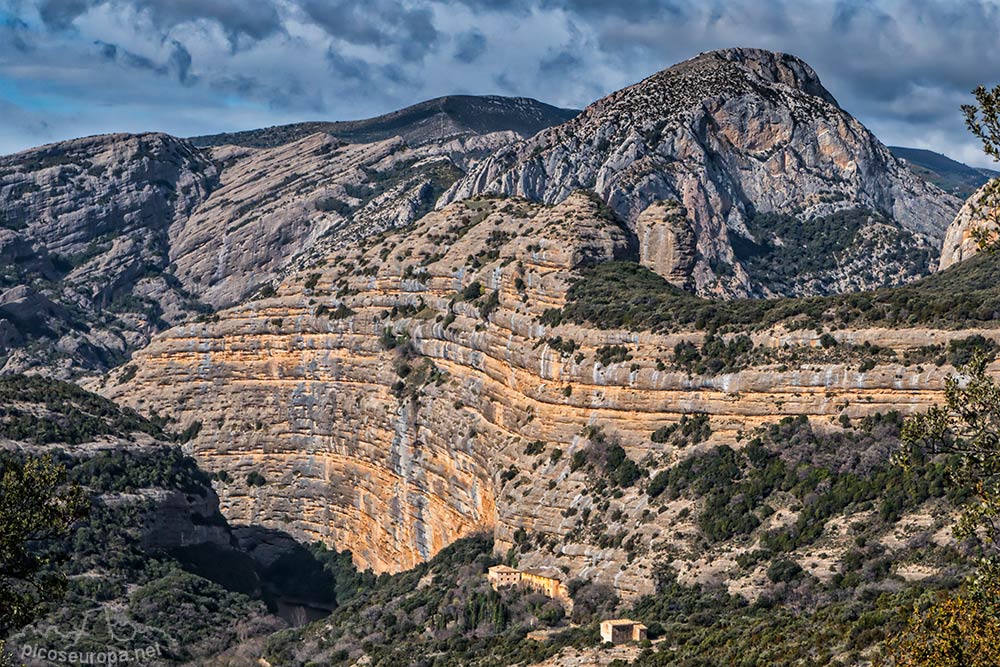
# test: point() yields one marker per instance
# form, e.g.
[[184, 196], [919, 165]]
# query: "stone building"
[[621, 630], [501, 576], [547, 583]]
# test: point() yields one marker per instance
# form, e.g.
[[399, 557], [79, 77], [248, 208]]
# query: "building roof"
[[622, 621], [504, 569]]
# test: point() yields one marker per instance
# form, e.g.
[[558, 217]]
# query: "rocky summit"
[[760, 157]]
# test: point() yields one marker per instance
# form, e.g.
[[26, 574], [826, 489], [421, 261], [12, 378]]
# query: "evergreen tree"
[[36, 507], [983, 120]]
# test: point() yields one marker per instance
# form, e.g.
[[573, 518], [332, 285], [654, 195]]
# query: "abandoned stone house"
[[622, 630], [547, 583], [501, 576]]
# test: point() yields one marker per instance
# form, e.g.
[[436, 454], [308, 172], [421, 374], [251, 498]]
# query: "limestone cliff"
[[405, 393], [959, 242], [734, 135], [84, 247], [666, 242]]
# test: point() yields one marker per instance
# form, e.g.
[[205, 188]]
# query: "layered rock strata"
[[406, 393]]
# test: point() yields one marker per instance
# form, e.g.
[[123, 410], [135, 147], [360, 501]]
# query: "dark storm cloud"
[[563, 63], [14, 32], [469, 46], [350, 68], [635, 9], [180, 63], [61, 13], [177, 64], [381, 23], [902, 67], [255, 19]]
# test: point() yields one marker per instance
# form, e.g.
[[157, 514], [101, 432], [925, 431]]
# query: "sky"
[[71, 68]]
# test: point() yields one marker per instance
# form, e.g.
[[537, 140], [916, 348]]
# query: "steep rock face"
[[404, 480], [107, 240], [179, 519], [731, 135], [667, 242], [282, 208], [405, 393], [83, 238], [959, 243], [273, 204]]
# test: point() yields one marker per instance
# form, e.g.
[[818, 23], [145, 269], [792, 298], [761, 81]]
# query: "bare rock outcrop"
[[732, 135], [131, 234], [83, 232], [667, 242], [959, 242], [273, 204], [406, 392]]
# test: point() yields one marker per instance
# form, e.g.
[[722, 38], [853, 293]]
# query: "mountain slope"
[[154, 566], [440, 119], [950, 175], [274, 204], [760, 157], [107, 240], [469, 374], [85, 250]]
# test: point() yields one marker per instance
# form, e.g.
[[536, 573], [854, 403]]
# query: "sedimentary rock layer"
[[387, 401]]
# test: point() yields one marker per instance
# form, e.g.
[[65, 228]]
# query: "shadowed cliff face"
[[405, 393], [732, 135], [84, 248]]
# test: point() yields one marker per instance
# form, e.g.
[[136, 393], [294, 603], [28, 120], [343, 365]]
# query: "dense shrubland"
[[192, 602], [440, 614], [627, 295]]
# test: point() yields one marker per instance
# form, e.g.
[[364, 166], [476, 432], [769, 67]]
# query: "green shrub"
[[472, 291], [960, 350], [784, 570], [612, 354], [255, 478], [625, 295], [491, 304], [690, 430]]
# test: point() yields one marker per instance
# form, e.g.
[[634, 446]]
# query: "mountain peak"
[[722, 74], [775, 67], [737, 135]]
